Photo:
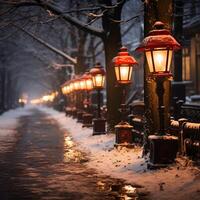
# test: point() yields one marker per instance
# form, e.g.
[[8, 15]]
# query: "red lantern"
[[98, 76], [88, 81], [158, 47], [123, 64]]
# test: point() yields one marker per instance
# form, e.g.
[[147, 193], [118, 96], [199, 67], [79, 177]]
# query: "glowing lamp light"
[[82, 83], [158, 47], [76, 84], [71, 86], [88, 81], [45, 98], [123, 64], [98, 76], [67, 89], [64, 90]]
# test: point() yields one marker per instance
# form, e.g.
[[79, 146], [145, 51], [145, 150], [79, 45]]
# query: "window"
[[186, 64]]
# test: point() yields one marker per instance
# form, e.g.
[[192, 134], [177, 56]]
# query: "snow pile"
[[175, 182], [8, 125]]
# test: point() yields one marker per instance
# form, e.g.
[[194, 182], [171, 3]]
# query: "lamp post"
[[98, 79], [71, 94], [64, 89], [123, 64], [78, 85], [87, 117], [158, 47]]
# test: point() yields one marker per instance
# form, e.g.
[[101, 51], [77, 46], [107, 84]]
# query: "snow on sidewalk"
[[170, 183], [175, 182], [8, 125]]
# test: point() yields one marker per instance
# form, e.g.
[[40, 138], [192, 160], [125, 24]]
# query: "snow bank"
[[174, 182], [8, 125]]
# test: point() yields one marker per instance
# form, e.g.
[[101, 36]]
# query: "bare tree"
[[102, 19]]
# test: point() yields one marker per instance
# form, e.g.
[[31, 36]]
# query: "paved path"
[[43, 164]]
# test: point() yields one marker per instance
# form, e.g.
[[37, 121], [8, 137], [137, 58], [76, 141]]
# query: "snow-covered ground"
[[175, 182], [8, 125]]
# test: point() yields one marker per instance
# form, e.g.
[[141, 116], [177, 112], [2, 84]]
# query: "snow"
[[174, 182], [8, 126]]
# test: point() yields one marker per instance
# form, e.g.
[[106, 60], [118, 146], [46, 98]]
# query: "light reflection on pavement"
[[45, 164]]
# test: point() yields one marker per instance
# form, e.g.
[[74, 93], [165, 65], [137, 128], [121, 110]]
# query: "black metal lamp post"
[[98, 79], [158, 47], [123, 64]]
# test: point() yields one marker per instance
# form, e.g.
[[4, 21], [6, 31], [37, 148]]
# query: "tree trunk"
[[178, 33], [112, 44], [155, 11]]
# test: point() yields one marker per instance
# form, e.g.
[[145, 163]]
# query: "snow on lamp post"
[[98, 79], [123, 64], [158, 47]]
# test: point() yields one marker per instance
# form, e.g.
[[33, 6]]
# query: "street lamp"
[[123, 64], [65, 91], [98, 79], [87, 116], [88, 81], [158, 47], [73, 96]]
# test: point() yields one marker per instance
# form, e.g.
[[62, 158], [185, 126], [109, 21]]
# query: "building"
[[191, 46]]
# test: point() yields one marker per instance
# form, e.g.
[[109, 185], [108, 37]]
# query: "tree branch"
[[82, 26], [69, 58]]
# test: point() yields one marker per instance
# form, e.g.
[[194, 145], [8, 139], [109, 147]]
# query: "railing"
[[188, 134]]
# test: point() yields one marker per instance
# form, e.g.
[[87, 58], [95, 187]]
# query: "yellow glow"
[[35, 101], [160, 60], [76, 85], [71, 154], [123, 73], [71, 86], [22, 100], [129, 189], [45, 98], [98, 81], [67, 89], [64, 90], [89, 84], [69, 142], [82, 85]]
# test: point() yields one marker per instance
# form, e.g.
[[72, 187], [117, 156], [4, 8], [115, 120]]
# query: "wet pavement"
[[43, 163]]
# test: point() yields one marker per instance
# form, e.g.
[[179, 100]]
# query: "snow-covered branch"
[[72, 20], [69, 58]]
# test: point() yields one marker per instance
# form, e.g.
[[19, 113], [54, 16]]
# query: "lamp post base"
[[80, 116], [124, 135], [87, 120], [99, 126], [73, 113], [163, 150]]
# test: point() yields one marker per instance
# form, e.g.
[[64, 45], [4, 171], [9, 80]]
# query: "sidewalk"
[[42, 162], [50, 156], [177, 182]]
